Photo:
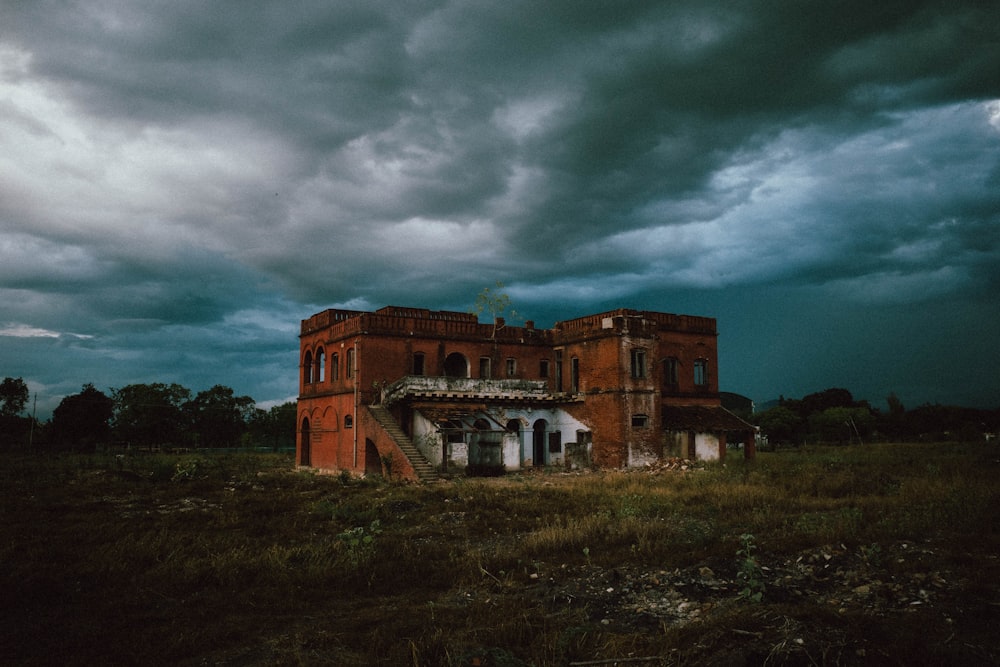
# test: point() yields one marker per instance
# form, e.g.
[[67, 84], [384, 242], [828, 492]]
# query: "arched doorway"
[[304, 453], [456, 365], [373, 462], [538, 442]]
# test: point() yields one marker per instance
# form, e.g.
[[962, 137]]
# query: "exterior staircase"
[[421, 466]]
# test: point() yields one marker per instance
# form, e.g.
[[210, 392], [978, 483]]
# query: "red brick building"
[[411, 392]]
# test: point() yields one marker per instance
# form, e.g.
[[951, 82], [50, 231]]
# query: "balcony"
[[449, 388]]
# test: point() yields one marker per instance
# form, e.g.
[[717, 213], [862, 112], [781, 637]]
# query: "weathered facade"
[[413, 392]]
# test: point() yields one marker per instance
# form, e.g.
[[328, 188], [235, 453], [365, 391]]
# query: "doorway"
[[538, 442], [305, 458]]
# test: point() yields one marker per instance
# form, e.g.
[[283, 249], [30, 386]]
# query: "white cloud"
[[26, 331], [17, 330]]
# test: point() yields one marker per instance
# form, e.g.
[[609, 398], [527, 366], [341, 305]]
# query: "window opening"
[[456, 366], [701, 372], [574, 375], [321, 366], [307, 368], [334, 367], [640, 421], [418, 363], [670, 376], [511, 368], [638, 363], [559, 379], [485, 368], [348, 421]]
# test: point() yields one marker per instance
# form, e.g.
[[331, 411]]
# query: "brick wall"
[[622, 412]]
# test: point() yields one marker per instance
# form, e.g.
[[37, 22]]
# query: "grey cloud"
[[171, 168]]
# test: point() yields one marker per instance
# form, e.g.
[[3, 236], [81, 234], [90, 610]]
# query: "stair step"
[[423, 469]]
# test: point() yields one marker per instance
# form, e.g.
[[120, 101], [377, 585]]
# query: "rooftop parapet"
[[625, 319], [396, 320]]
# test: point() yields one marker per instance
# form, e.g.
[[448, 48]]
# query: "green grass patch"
[[203, 558]]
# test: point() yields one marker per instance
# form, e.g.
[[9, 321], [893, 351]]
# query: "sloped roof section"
[[457, 414], [702, 419]]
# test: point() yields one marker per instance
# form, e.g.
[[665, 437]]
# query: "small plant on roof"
[[495, 302]]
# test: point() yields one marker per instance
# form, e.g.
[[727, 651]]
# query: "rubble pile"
[[872, 580]]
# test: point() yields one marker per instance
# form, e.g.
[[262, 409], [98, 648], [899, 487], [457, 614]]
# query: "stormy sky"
[[182, 182]]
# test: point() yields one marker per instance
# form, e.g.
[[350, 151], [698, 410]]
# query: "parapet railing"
[[425, 384]]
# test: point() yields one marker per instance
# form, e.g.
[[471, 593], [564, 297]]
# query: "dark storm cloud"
[[174, 168]]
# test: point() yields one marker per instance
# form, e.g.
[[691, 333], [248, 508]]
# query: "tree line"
[[145, 416], [833, 416]]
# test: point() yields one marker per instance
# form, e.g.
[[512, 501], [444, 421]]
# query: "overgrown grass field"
[[875, 554]]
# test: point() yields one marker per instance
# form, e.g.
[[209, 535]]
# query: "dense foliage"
[[146, 416], [833, 416]]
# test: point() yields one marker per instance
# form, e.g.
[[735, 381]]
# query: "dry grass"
[[239, 560]]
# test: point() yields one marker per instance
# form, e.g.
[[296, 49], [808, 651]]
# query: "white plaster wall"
[[517, 447], [512, 451], [458, 454], [557, 420], [706, 447], [427, 439]]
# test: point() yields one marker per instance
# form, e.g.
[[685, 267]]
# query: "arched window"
[[320, 365], [307, 368], [334, 367], [350, 362], [348, 421], [456, 366]]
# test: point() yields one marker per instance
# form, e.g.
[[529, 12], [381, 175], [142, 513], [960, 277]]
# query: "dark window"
[[334, 367], [418, 363], [320, 365], [640, 421], [485, 370], [348, 421], [511, 368], [543, 368], [307, 368], [670, 376], [456, 366], [701, 373], [559, 377], [574, 375], [350, 362], [638, 363]]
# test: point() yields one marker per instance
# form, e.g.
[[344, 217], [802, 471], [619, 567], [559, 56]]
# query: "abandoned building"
[[412, 393]]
